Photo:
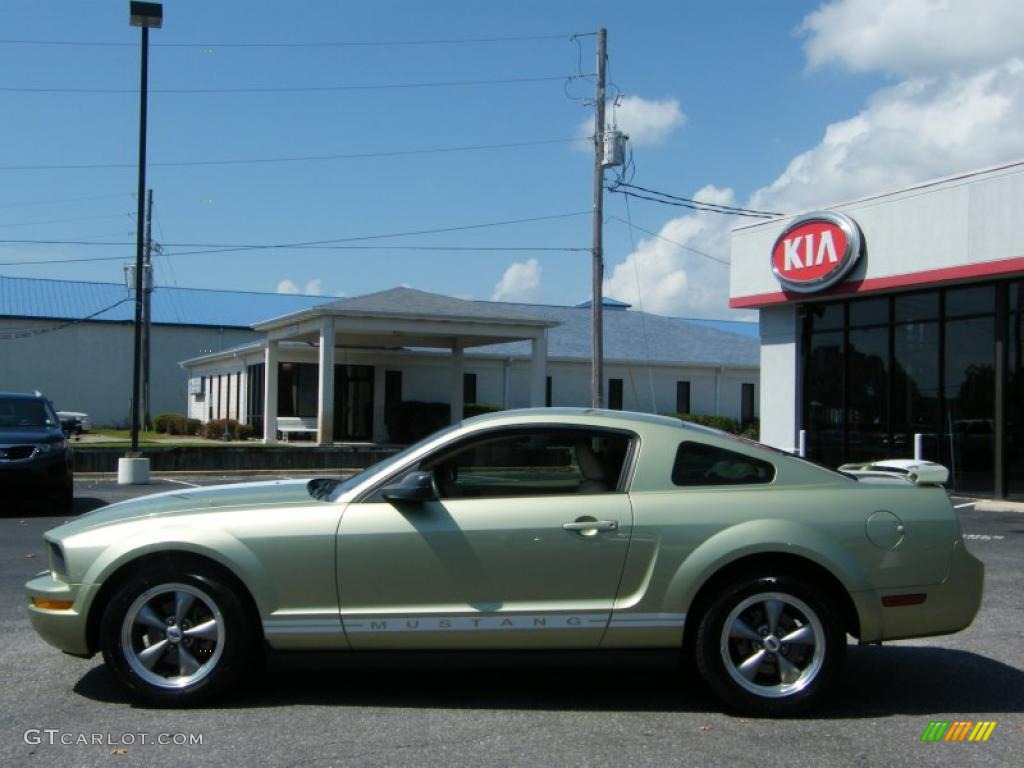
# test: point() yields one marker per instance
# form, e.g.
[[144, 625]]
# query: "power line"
[[66, 200], [329, 244], [306, 44], [306, 88], [29, 332], [446, 248], [670, 241], [686, 202], [63, 221], [299, 159]]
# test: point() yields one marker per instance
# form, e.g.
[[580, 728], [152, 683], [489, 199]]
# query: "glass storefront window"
[[827, 317], [914, 307], [867, 403], [869, 312], [974, 300], [917, 363], [823, 388], [968, 444], [915, 388]]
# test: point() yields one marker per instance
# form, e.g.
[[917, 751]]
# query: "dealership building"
[[74, 341], [894, 323]]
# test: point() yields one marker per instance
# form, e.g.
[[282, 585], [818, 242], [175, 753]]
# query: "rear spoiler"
[[889, 470]]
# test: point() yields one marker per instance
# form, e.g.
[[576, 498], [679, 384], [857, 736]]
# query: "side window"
[[698, 464], [530, 463]]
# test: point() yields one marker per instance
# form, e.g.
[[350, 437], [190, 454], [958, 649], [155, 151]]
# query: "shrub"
[[412, 420], [192, 426], [172, 424], [476, 409], [214, 430], [723, 423]]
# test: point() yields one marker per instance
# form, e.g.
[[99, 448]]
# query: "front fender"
[[214, 544]]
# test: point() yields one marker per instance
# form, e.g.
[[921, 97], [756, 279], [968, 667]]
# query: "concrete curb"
[[999, 505]]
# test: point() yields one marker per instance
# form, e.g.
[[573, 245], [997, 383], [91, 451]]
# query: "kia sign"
[[816, 251]]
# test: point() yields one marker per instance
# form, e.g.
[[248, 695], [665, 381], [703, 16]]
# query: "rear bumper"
[[949, 606]]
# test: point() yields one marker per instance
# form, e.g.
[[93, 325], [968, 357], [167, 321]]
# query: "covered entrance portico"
[[401, 318]]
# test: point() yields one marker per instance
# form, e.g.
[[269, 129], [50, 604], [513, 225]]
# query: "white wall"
[[88, 366], [427, 376], [780, 391]]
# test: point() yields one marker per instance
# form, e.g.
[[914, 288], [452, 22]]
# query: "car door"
[[523, 547]]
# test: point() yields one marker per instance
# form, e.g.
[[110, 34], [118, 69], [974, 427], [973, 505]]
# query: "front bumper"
[[65, 629]]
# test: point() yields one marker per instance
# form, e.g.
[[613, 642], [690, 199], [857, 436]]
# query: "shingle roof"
[[411, 302], [631, 336]]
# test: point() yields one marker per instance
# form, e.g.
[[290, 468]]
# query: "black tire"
[[779, 677], [204, 652]]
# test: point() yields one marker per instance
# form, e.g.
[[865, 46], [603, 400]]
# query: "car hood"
[[23, 435], [277, 493]]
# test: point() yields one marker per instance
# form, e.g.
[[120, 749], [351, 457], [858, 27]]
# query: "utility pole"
[[597, 308], [147, 283]]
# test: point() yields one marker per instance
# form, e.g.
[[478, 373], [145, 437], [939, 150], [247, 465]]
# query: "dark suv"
[[35, 457]]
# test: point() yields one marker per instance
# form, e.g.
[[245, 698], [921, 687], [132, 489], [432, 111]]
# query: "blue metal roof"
[[113, 302], [629, 336]]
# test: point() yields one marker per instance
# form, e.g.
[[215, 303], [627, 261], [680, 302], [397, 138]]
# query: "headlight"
[[58, 566], [59, 445]]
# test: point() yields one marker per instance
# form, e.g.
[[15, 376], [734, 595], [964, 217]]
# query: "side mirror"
[[414, 487]]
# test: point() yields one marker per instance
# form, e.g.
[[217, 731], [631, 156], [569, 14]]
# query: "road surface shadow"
[[45, 508], [878, 681]]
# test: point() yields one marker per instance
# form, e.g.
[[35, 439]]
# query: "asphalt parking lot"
[[596, 716]]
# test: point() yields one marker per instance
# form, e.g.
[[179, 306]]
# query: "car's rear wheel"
[[770, 645], [176, 636]]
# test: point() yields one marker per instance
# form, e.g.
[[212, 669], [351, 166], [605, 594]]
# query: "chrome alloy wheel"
[[773, 644], [173, 635]]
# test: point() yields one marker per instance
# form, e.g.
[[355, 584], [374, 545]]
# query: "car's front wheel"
[[770, 645], [175, 637]]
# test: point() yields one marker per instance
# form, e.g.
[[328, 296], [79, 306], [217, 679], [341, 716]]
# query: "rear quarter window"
[[699, 464]]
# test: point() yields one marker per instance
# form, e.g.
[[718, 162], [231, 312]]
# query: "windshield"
[[18, 414]]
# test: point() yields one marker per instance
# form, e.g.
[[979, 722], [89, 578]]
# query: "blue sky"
[[778, 105]]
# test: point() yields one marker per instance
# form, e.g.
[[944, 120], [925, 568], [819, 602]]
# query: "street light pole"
[[144, 15]]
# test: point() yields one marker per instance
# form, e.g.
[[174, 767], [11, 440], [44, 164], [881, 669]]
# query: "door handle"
[[586, 525]]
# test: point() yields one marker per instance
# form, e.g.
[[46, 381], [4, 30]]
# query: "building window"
[[468, 388], [615, 394], [746, 403], [547, 392], [683, 397], [298, 389]]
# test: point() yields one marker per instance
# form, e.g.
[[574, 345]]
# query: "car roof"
[[23, 395], [578, 415]]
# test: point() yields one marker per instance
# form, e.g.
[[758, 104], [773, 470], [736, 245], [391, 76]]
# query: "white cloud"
[[312, 288], [647, 122], [521, 282], [917, 130], [666, 274], [913, 37]]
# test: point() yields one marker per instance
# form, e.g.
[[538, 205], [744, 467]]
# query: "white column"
[[325, 404], [538, 369], [456, 401], [270, 392]]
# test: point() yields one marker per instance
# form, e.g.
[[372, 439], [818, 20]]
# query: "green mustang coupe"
[[536, 529]]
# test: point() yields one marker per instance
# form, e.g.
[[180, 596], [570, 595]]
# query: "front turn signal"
[[52, 605]]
